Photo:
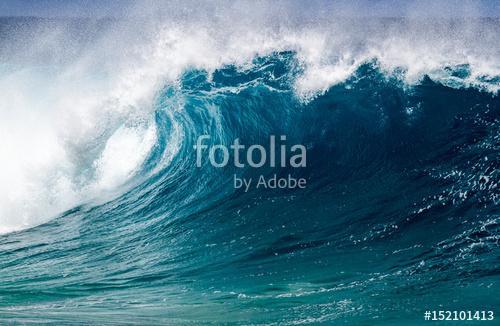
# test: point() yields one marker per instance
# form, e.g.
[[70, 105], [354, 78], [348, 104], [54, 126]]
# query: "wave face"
[[114, 221]]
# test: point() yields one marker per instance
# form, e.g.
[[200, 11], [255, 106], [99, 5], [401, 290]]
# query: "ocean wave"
[[91, 111], [99, 178]]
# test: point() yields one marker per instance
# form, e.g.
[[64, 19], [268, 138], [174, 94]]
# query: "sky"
[[377, 8]]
